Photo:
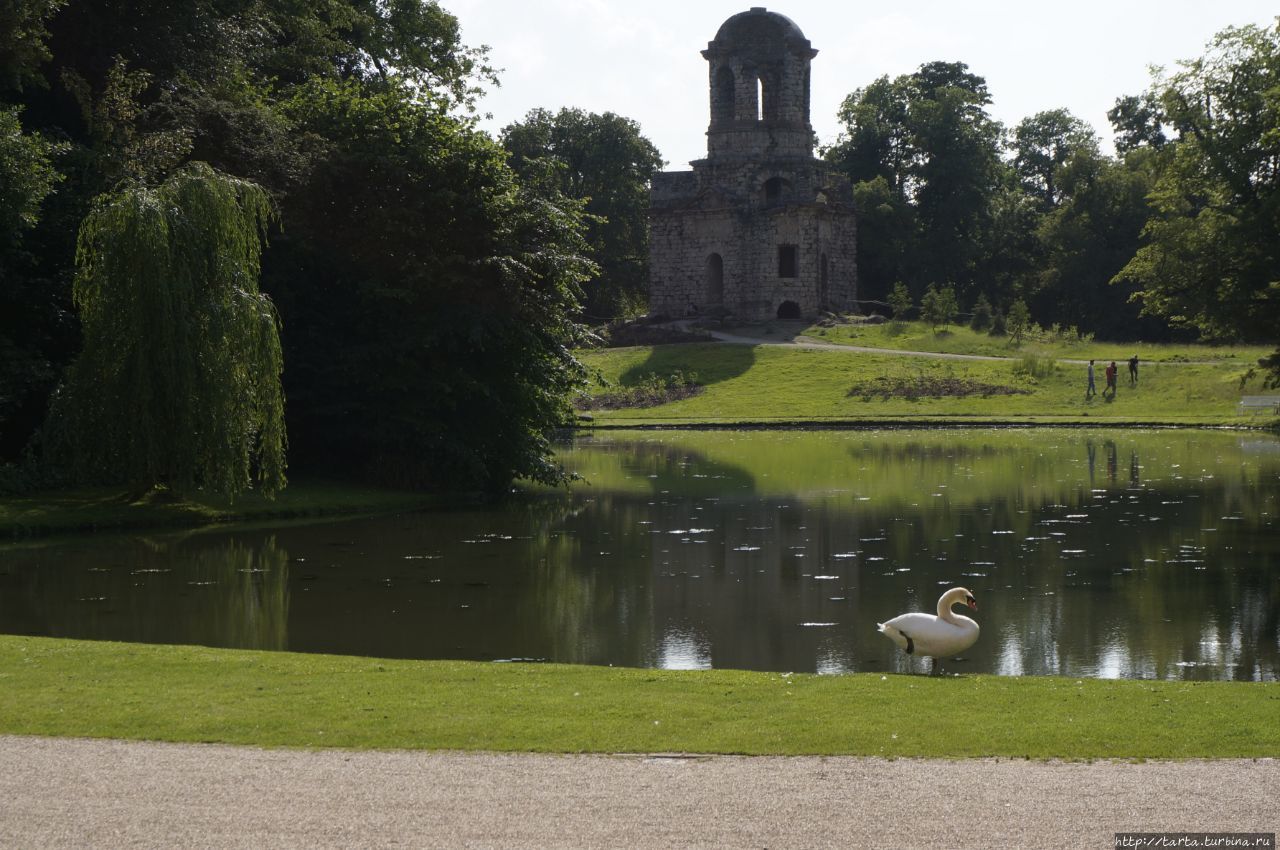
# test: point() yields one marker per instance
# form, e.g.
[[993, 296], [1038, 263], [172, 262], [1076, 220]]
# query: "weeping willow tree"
[[178, 384]]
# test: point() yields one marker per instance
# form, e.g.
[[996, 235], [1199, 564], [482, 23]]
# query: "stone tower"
[[761, 228]]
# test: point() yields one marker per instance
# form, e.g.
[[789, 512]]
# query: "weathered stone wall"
[[683, 277]]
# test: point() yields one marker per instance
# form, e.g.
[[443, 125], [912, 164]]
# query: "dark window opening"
[[787, 262], [788, 310], [776, 189]]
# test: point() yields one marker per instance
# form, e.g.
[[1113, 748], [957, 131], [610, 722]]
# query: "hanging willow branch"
[[179, 381]]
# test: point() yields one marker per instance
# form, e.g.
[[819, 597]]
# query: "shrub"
[[981, 314], [900, 301], [1035, 368], [939, 305], [997, 324], [1019, 321]]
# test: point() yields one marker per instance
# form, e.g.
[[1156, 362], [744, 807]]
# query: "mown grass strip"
[[172, 693]]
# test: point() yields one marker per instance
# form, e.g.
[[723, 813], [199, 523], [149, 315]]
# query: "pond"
[[1140, 554]]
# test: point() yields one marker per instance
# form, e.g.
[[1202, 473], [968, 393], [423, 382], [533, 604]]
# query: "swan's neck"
[[944, 607]]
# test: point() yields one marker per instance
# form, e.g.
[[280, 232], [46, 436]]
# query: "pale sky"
[[640, 58]]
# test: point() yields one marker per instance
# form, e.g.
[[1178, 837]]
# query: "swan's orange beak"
[[971, 602]]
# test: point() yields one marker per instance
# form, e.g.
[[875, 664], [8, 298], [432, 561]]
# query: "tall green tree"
[[604, 161], [428, 297], [179, 380], [959, 169], [923, 155], [1212, 247]]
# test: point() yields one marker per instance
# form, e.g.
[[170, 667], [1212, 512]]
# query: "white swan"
[[924, 634]]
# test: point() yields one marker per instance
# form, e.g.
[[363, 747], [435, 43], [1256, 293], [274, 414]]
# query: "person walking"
[[1133, 371], [1091, 390], [1111, 379]]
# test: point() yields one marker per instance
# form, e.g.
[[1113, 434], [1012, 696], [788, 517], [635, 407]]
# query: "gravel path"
[[114, 794], [793, 339]]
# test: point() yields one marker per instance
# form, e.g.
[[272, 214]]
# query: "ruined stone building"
[[760, 228]]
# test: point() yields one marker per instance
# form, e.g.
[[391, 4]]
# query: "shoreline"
[[907, 425]]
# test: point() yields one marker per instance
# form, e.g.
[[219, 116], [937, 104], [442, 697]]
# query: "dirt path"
[[799, 341], [78, 793]]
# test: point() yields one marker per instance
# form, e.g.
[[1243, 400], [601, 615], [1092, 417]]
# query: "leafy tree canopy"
[[604, 161], [1212, 247], [1042, 144]]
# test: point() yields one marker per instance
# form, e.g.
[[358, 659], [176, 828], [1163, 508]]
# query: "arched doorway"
[[824, 301], [788, 310], [714, 294]]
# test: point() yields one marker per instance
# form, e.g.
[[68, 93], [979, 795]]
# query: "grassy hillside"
[[744, 383]]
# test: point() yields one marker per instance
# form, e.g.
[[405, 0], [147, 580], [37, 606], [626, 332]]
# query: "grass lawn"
[[172, 693], [89, 509], [958, 339], [763, 384]]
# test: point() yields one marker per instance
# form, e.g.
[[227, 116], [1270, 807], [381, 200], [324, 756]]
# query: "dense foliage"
[[426, 297], [949, 197], [432, 297]]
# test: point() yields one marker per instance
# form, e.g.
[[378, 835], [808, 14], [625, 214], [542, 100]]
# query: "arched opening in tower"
[[788, 310], [824, 274], [768, 88], [714, 295], [723, 96]]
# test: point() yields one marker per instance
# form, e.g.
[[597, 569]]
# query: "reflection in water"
[[684, 650], [232, 593], [763, 550]]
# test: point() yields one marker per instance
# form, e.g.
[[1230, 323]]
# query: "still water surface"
[[1122, 554]]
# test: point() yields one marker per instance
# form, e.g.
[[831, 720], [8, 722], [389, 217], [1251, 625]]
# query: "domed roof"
[[758, 28]]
